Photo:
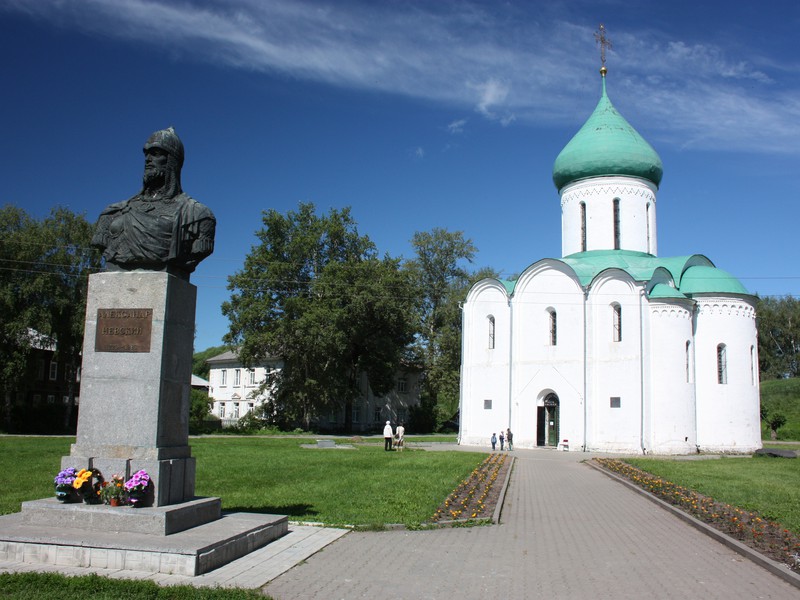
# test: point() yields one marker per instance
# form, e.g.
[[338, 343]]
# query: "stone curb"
[[774, 567], [502, 498]]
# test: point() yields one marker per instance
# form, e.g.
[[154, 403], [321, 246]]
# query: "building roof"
[[671, 277], [606, 145]]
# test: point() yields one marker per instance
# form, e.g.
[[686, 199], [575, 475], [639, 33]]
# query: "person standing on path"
[[502, 439], [509, 439], [494, 441], [387, 436]]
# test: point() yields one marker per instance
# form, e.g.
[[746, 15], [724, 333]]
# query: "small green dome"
[[606, 145], [701, 279]]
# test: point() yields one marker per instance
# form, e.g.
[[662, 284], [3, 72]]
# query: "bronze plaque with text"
[[123, 329]]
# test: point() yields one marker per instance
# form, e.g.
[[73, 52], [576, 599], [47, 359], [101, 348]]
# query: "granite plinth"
[[134, 411], [159, 520], [190, 552]]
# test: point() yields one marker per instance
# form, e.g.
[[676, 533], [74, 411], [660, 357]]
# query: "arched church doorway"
[[547, 422]]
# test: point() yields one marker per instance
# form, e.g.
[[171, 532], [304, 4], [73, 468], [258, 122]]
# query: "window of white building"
[[223, 377], [376, 415], [753, 366], [616, 402], [616, 224], [553, 326], [491, 332], [237, 377], [688, 361], [251, 376], [221, 410], [722, 364], [583, 226], [356, 414], [616, 317], [235, 410], [53, 370], [487, 405]]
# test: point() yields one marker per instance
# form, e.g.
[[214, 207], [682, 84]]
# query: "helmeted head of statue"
[[163, 153], [167, 140]]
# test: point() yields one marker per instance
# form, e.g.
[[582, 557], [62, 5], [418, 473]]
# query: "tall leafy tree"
[[442, 278], [44, 269], [778, 336], [315, 294]]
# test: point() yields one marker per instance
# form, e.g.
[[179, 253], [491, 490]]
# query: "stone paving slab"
[[567, 531], [251, 571]]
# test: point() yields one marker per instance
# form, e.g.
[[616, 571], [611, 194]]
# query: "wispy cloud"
[[456, 126], [499, 61]]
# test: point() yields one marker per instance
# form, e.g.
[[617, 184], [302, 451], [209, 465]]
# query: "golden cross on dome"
[[605, 43]]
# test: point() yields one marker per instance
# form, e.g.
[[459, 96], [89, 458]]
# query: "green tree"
[[199, 365], [442, 282], [778, 323], [315, 294], [44, 269]]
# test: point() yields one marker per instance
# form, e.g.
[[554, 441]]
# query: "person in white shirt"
[[400, 435], [387, 436]]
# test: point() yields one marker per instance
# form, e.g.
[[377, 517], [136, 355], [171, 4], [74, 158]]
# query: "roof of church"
[[672, 277], [606, 145]]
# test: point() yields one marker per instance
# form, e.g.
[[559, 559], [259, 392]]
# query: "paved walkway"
[[567, 531]]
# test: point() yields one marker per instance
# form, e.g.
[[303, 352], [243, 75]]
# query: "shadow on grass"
[[290, 510]]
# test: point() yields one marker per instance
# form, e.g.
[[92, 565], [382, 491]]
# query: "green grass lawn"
[[46, 586], [770, 486], [363, 486]]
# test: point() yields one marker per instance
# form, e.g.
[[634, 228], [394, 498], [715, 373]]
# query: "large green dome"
[[606, 145]]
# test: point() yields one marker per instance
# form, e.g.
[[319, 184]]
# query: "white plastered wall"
[[637, 218], [615, 369], [728, 418], [484, 370], [540, 367]]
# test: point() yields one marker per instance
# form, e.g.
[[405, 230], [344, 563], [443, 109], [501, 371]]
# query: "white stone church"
[[611, 347]]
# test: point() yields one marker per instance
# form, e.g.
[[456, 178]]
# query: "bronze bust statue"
[[161, 228]]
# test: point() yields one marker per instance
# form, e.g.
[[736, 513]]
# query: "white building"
[[610, 347], [236, 390]]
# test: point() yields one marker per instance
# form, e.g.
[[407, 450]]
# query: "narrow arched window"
[[583, 226], [688, 361], [616, 318], [722, 364], [616, 224], [753, 364], [491, 332], [647, 220], [553, 319]]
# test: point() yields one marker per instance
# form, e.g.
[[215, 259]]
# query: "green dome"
[[606, 145]]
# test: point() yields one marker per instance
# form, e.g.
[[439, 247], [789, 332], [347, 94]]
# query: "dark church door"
[[547, 422]]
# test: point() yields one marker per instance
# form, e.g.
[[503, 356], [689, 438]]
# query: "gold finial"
[[604, 43]]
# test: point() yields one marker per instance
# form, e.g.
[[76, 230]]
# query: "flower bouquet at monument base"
[[140, 489], [113, 492], [65, 492], [89, 482]]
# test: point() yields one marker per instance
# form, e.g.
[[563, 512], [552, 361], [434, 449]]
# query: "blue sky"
[[415, 114]]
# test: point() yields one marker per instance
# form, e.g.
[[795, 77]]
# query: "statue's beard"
[[154, 179]]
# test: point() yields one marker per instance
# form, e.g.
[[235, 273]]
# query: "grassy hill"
[[782, 395]]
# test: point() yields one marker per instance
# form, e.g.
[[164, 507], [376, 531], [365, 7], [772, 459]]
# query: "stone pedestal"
[[135, 381], [134, 414]]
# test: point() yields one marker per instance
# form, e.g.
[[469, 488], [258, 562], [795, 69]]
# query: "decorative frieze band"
[[608, 190]]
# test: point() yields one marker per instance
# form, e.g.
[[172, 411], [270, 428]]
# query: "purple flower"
[[65, 476], [138, 481]]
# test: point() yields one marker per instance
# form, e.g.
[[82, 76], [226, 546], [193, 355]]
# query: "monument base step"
[[156, 520], [189, 552]]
